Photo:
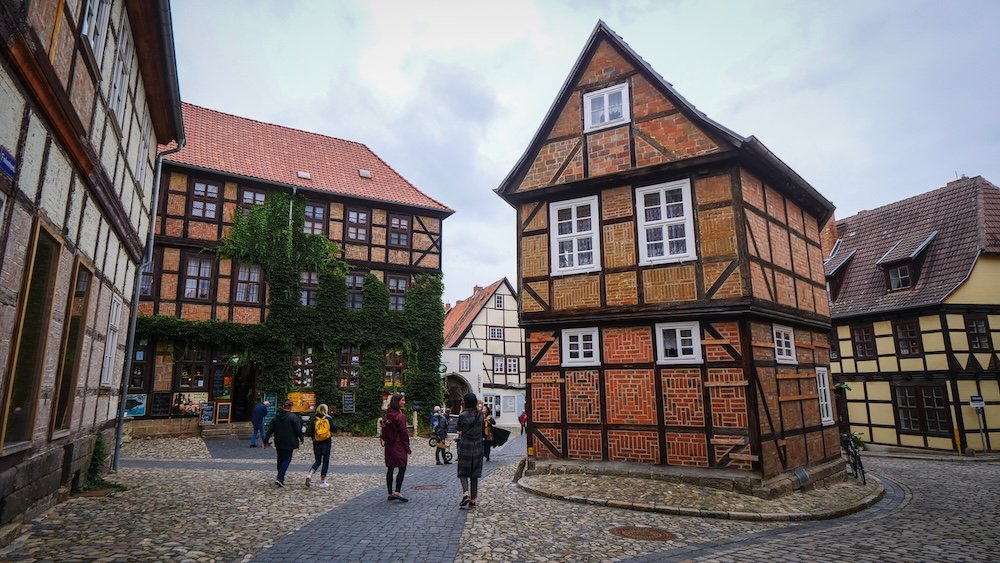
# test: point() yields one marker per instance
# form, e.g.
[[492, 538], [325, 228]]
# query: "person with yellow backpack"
[[321, 429]]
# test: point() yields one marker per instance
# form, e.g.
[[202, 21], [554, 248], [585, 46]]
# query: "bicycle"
[[848, 441]]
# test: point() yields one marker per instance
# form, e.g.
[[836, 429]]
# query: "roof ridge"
[[279, 126], [954, 185]]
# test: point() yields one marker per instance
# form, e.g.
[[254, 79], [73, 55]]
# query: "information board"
[[207, 414], [348, 403], [271, 410], [161, 404], [223, 412]]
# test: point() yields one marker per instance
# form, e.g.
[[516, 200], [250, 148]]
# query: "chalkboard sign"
[[271, 410], [224, 414], [208, 413], [161, 404], [218, 382], [348, 403]]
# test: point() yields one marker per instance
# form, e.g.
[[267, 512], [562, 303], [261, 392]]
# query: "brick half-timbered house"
[[87, 91], [672, 285], [383, 224]]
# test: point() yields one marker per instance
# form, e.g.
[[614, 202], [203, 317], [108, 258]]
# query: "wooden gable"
[[661, 128]]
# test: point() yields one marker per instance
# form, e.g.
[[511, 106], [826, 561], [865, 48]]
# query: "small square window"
[[397, 292], [580, 347], [863, 338], [357, 225], [979, 333], [513, 365], [498, 364], [464, 362], [310, 289], [784, 345], [899, 277], [496, 333], [315, 219], [606, 107], [498, 301], [908, 338], [399, 231], [678, 343]]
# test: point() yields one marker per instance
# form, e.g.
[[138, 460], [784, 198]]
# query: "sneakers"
[[309, 479], [324, 485], [279, 482], [472, 504], [466, 501]]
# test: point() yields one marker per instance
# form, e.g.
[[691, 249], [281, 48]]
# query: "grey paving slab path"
[[370, 528]]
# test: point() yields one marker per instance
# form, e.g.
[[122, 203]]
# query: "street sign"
[[977, 401], [7, 162]]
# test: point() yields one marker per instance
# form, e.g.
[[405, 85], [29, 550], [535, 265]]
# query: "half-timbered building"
[[916, 319], [87, 91], [487, 321], [383, 224], [671, 283]]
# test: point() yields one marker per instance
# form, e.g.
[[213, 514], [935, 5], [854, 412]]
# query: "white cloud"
[[869, 102]]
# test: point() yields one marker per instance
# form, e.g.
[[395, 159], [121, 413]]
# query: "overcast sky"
[[870, 102]]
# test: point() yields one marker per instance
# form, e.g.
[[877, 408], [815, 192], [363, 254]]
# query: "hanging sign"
[[8, 164]]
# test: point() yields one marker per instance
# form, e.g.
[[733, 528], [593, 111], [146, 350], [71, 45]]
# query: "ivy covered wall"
[[271, 235]]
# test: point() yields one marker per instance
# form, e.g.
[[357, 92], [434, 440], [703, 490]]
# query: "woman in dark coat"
[[470, 450], [396, 438]]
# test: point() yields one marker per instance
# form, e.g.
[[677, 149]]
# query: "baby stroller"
[[440, 440]]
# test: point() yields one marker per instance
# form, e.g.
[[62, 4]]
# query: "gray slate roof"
[[961, 220]]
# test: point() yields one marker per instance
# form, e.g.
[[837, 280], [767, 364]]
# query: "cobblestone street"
[[189, 500]]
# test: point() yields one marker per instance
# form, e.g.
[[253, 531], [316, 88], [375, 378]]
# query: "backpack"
[[322, 430], [385, 425]]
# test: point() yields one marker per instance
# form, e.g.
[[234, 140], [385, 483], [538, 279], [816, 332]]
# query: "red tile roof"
[[966, 217], [236, 145], [460, 317]]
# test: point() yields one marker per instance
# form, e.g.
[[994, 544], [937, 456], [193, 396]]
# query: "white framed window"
[[784, 344], [496, 333], [498, 364], [606, 107], [142, 157], [573, 233], [666, 223], [498, 301], [823, 389], [579, 347], [493, 402], [120, 75], [111, 343], [513, 365], [464, 362], [95, 26], [678, 343]]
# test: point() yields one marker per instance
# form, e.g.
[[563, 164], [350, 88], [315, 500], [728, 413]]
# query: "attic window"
[[606, 107], [899, 277], [305, 175], [364, 173]]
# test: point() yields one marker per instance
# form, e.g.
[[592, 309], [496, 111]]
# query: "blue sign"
[[7, 162]]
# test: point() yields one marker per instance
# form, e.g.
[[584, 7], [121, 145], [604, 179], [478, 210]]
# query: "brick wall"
[[687, 449], [630, 396], [682, 397], [576, 292], [608, 151], [546, 400], [631, 445], [669, 283], [584, 444], [583, 400], [627, 345]]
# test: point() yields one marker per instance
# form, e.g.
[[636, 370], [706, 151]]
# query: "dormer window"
[[606, 107], [899, 277]]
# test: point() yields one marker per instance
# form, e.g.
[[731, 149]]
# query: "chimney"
[[476, 289], [828, 236], [447, 307]]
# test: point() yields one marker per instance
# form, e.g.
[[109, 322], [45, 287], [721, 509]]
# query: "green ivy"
[[271, 235]]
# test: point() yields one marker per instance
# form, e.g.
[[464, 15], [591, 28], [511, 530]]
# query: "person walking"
[[439, 426], [257, 419], [321, 430], [396, 439], [488, 423], [470, 450], [287, 432], [523, 419]]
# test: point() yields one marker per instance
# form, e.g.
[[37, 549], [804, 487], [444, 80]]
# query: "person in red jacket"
[[523, 419], [396, 439]]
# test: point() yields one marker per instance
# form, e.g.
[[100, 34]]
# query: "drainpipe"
[[146, 261]]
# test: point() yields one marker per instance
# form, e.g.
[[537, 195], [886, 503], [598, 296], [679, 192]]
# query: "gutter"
[[146, 261]]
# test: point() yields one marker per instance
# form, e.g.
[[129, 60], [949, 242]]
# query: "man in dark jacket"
[[287, 431], [257, 418]]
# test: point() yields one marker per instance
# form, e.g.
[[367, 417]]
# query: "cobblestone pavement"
[[189, 500]]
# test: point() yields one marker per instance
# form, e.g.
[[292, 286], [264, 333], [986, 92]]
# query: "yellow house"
[[915, 306]]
